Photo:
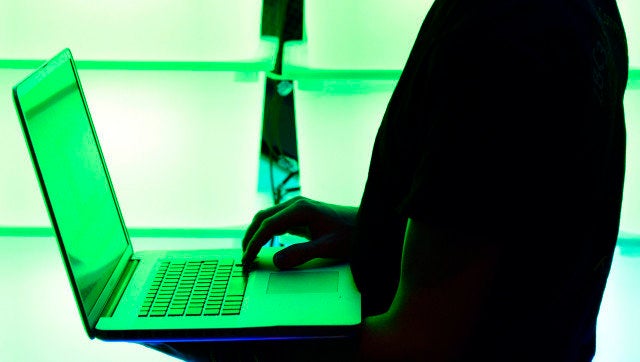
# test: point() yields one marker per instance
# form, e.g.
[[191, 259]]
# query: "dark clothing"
[[507, 125]]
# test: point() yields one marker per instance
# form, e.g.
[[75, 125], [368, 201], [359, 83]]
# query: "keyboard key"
[[213, 305], [158, 313], [236, 286], [176, 312], [211, 311], [234, 298], [231, 306], [230, 311], [194, 311]]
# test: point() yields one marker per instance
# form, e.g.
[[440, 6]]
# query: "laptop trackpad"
[[303, 282]]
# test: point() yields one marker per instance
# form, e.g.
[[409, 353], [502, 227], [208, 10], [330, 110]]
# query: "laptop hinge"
[[118, 291]]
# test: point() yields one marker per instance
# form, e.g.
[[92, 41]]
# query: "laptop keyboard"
[[195, 288]]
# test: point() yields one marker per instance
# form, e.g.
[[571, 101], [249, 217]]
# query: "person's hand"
[[327, 227]]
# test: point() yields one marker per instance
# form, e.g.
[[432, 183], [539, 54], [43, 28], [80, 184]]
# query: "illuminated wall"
[[630, 11], [176, 91]]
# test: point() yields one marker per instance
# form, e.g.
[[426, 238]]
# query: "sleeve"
[[487, 114]]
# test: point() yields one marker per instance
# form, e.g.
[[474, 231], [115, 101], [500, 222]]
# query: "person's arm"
[[443, 279]]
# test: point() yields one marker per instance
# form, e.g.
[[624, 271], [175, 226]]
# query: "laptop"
[[163, 295]]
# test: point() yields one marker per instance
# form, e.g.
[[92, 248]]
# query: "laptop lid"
[[74, 181]]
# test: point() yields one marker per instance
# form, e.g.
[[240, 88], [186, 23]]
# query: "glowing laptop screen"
[[66, 152]]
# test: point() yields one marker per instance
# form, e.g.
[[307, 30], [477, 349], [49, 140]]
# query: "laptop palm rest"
[[296, 282]]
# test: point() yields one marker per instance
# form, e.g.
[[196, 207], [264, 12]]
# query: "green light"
[[141, 130], [630, 218], [334, 168], [191, 233], [164, 30], [262, 60], [634, 79], [629, 10], [372, 34]]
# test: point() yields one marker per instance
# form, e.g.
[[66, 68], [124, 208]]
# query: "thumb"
[[295, 255]]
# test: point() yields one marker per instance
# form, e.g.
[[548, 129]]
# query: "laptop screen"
[[76, 182]]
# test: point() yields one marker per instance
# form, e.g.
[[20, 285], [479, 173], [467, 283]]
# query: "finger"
[[295, 214], [298, 254], [260, 217]]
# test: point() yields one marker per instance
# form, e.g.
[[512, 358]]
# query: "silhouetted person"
[[491, 210]]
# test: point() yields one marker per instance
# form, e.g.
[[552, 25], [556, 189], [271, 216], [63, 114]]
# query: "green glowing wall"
[[192, 104], [176, 91]]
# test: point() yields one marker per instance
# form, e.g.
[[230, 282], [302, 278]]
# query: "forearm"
[[429, 322], [397, 335], [431, 331], [377, 340]]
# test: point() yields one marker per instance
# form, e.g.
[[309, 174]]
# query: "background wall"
[[159, 131]]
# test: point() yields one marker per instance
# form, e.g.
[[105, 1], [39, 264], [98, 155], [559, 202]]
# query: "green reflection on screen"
[[75, 180]]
